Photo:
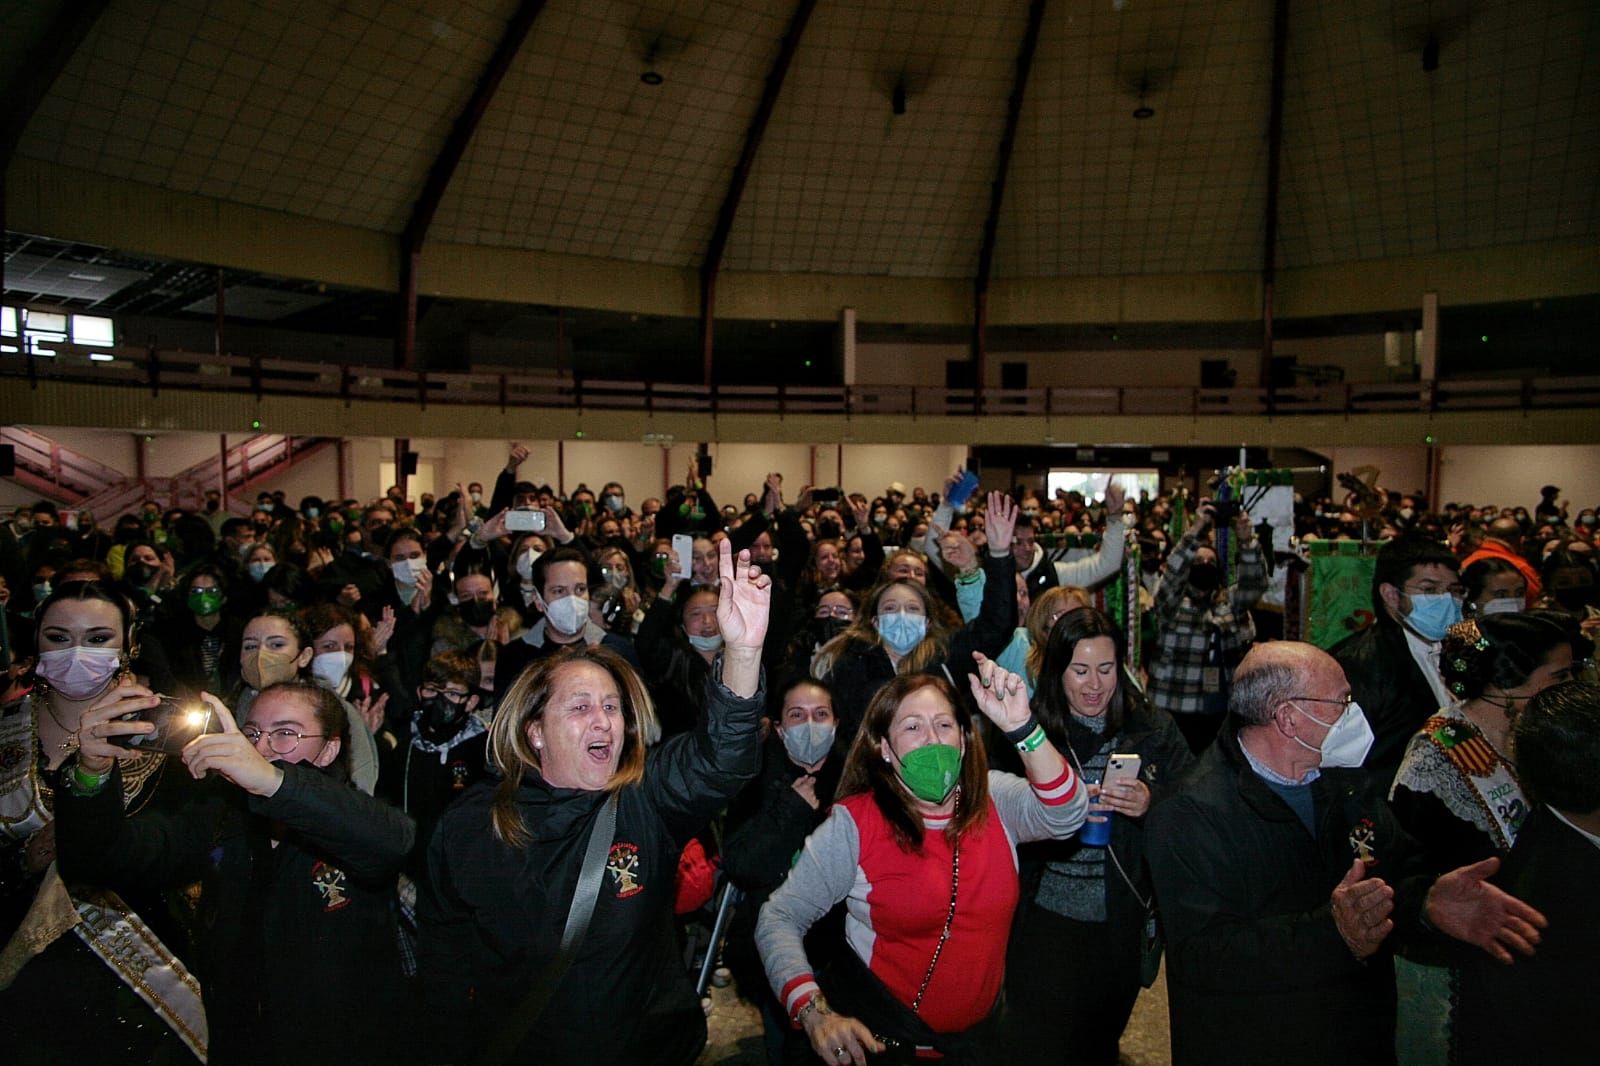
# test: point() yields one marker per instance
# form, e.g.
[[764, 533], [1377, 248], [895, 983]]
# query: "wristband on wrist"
[[1033, 742], [1023, 731], [84, 783]]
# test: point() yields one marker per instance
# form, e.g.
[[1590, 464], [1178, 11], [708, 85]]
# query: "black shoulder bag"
[[584, 896]]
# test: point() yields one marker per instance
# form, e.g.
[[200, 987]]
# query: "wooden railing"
[[155, 370]]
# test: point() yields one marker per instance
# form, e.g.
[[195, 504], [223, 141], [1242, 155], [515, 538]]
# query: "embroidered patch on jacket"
[[330, 882], [458, 776], [623, 866], [1362, 836]]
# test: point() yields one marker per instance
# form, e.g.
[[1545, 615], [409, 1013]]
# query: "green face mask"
[[205, 601], [932, 771]]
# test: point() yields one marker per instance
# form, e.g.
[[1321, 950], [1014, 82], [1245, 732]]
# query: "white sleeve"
[[1102, 565]]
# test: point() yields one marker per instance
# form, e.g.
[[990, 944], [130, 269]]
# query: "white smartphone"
[[525, 520], [683, 550], [1121, 769]]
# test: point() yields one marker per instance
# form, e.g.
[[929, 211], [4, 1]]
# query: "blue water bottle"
[[1096, 834]]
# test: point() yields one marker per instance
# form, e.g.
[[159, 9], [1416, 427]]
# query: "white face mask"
[[331, 667], [79, 672], [406, 570], [568, 614], [525, 563], [1348, 741]]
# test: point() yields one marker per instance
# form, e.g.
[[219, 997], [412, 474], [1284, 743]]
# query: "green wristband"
[[87, 784], [1033, 741]]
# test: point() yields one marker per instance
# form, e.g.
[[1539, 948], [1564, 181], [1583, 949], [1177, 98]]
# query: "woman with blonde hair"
[[512, 964]]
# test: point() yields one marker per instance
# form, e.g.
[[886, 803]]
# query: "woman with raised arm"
[[509, 869], [921, 848]]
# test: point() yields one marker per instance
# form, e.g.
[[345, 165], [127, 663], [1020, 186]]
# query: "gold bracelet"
[[814, 1002]]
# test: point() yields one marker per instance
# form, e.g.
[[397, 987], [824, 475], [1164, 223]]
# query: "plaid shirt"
[[1184, 624]]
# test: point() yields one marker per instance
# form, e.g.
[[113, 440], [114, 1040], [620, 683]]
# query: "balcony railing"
[[154, 370]]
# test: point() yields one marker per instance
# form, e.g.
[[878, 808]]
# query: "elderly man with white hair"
[[1284, 881]]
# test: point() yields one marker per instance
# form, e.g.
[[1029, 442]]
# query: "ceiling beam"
[[1269, 248], [444, 168], [997, 191], [712, 263]]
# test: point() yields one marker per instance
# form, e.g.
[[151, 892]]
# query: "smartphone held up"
[[176, 722]]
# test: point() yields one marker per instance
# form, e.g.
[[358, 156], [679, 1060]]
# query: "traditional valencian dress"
[[1460, 798], [79, 970]]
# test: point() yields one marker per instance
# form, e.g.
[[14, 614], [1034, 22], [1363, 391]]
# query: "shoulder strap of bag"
[[584, 896]]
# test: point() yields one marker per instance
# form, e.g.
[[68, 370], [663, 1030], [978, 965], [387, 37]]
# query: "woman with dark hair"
[[1081, 900], [1494, 586], [678, 642], [768, 824], [509, 857], [201, 632], [287, 587], [921, 851], [1457, 790], [904, 629], [295, 940], [342, 662], [1570, 587], [62, 996]]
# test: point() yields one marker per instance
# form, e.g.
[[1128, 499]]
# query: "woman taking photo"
[[920, 850], [1080, 901], [510, 859], [295, 940], [62, 997]]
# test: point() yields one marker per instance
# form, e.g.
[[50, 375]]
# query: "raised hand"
[[554, 527], [860, 515], [371, 710], [958, 552], [382, 632], [744, 599], [518, 455], [999, 521], [999, 694], [231, 754], [1361, 907], [1116, 496], [1465, 905]]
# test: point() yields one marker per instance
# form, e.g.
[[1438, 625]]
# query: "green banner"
[[1340, 593]]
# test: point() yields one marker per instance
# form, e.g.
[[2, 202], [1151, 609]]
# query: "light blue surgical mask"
[[902, 632], [711, 643], [1432, 613], [258, 569]]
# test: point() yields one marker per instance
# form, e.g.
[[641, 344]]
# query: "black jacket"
[[1393, 694], [1163, 757], [491, 915], [1538, 1010], [1256, 969], [295, 945]]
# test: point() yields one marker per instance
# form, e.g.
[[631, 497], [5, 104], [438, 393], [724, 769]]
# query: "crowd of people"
[[425, 780]]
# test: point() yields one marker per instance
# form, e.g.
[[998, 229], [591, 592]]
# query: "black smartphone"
[[177, 722]]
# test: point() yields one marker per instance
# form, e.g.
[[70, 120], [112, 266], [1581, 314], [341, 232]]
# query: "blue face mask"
[[1432, 613], [902, 632]]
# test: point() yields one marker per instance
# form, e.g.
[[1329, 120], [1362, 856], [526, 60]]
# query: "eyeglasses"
[[1344, 701], [456, 699], [1458, 591], [279, 741], [846, 613]]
